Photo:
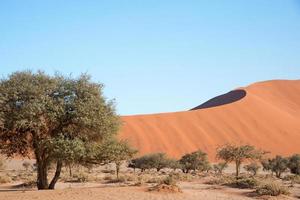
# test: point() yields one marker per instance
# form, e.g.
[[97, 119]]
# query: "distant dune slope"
[[264, 114]]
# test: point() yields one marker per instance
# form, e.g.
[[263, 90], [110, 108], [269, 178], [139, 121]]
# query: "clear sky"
[[154, 55]]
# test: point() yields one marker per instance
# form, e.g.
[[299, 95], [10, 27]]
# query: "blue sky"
[[154, 55]]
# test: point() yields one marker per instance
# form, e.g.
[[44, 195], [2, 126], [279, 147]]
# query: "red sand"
[[268, 117]]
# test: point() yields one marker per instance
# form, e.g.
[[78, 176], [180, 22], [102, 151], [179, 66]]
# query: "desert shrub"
[[238, 154], [26, 165], [183, 176], [221, 180], [276, 165], [244, 183], [219, 167], [292, 178], [194, 161], [252, 168], [80, 177], [294, 164], [169, 180], [156, 161], [174, 164], [153, 180], [272, 189], [5, 179], [114, 151]]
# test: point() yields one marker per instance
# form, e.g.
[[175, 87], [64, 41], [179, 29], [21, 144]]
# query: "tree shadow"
[[223, 99]]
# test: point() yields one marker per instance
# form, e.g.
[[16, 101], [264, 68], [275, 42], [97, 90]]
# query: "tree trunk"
[[70, 171], [42, 172], [117, 170], [56, 175], [237, 168]]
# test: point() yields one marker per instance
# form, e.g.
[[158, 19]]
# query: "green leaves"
[[194, 161]]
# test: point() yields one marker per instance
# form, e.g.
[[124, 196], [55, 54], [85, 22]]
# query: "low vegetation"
[[272, 189]]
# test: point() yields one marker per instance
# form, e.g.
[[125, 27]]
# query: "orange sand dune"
[[264, 114]]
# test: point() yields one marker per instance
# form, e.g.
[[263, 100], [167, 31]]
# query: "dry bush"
[[272, 189], [165, 188], [122, 179], [244, 183], [220, 180], [183, 176], [295, 179], [5, 179], [167, 184]]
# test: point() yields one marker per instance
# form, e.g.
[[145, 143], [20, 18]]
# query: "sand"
[[190, 192], [266, 115]]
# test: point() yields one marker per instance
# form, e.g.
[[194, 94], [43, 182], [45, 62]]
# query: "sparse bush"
[[245, 183], [278, 165], [169, 180], [80, 177], [221, 180], [292, 178], [238, 154], [272, 189], [294, 164], [252, 168], [219, 167], [194, 161]]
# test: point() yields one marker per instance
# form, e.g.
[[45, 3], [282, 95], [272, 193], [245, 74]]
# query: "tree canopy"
[[38, 111]]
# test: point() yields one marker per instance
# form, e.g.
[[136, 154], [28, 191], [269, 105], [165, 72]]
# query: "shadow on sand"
[[223, 99]]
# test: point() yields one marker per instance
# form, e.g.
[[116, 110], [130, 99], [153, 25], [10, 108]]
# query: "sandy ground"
[[190, 192], [267, 116]]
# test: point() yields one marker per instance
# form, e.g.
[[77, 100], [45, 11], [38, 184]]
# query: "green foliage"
[[220, 167], [38, 109], [278, 165], [156, 161], [238, 154], [252, 168], [174, 164], [294, 164], [194, 161], [272, 189], [113, 151]]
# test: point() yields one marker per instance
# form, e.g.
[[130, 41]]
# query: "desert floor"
[[101, 190]]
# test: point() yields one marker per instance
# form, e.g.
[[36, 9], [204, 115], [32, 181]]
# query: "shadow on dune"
[[223, 99]]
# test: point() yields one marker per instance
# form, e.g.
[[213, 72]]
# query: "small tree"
[[174, 164], [36, 109], [26, 165], [278, 165], [220, 167], [156, 161], [238, 154], [194, 161], [159, 161], [294, 164], [252, 168], [114, 151]]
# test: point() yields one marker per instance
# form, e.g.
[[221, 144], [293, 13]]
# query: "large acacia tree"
[[46, 116]]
